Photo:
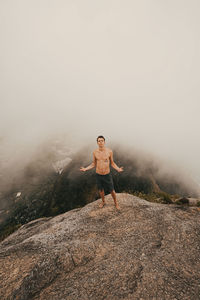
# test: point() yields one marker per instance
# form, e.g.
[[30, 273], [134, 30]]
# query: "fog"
[[126, 69]]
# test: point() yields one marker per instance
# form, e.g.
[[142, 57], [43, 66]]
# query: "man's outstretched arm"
[[91, 166], [113, 164]]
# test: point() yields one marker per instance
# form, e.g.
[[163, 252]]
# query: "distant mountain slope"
[[44, 191]]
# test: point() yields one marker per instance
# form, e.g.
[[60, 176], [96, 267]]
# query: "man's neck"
[[101, 148]]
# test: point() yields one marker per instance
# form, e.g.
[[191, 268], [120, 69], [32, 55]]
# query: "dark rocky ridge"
[[147, 251]]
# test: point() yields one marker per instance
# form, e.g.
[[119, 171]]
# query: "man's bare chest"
[[102, 156]]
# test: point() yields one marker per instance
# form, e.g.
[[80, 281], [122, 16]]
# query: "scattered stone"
[[188, 201], [182, 200]]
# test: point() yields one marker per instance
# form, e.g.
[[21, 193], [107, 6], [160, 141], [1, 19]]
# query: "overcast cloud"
[[126, 69]]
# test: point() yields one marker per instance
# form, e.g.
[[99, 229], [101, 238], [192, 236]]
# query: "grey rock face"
[[145, 251]]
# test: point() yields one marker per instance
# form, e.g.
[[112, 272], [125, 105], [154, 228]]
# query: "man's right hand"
[[82, 169]]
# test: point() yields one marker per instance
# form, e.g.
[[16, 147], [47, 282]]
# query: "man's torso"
[[102, 161]]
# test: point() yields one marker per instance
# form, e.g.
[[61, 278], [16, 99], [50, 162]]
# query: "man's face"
[[100, 142]]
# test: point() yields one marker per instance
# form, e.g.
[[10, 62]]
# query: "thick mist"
[[72, 70]]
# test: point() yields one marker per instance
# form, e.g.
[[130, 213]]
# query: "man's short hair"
[[101, 137]]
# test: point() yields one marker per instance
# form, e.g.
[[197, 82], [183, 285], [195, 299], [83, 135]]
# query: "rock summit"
[[145, 251]]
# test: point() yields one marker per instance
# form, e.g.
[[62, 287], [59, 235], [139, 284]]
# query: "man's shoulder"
[[108, 149], [95, 151]]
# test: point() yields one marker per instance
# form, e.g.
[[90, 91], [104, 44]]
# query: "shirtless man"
[[102, 158]]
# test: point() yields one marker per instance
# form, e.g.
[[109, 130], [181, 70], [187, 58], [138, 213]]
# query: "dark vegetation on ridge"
[[46, 193]]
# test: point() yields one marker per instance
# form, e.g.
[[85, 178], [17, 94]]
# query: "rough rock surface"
[[145, 251]]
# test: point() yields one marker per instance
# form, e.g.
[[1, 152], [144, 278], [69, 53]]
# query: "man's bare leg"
[[115, 200], [102, 197]]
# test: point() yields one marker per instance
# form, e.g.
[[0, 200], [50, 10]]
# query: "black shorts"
[[105, 182]]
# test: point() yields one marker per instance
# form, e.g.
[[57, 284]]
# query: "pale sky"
[[127, 69]]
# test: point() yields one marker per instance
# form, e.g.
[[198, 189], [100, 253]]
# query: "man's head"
[[101, 140]]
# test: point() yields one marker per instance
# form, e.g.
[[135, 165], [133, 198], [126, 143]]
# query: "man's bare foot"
[[117, 207], [101, 205]]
